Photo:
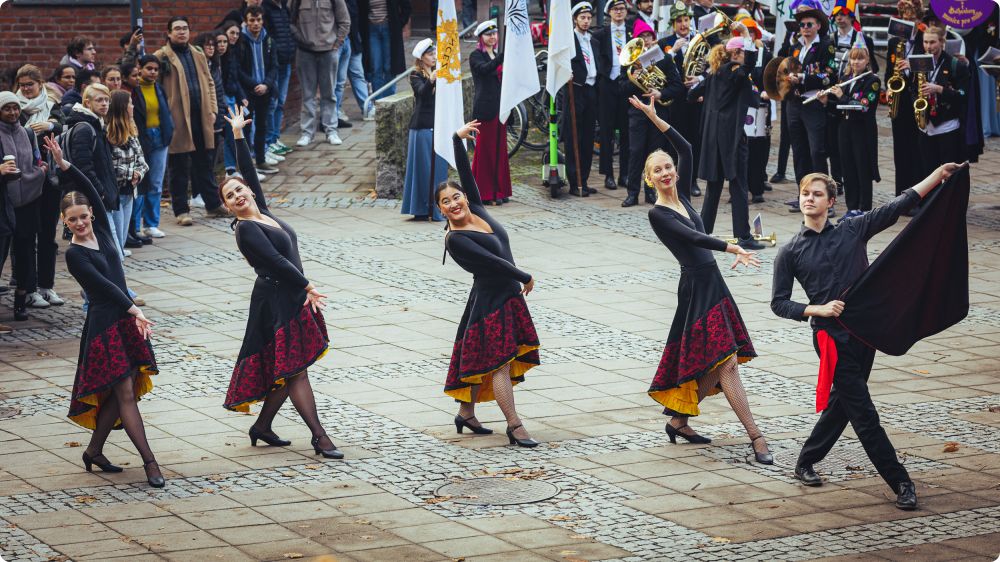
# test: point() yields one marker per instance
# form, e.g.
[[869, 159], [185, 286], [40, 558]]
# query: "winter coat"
[[90, 152], [178, 97], [320, 26], [278, 22], [244, 49]]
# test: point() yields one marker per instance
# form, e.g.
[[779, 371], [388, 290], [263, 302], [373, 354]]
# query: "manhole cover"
[[497, 491]]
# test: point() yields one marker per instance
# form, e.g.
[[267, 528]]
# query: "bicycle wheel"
[[517, 129]]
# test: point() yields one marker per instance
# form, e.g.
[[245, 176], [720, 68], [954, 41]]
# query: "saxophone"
[[920, 104], [895, 84]]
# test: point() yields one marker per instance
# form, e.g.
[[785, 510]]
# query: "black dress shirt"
[[827, 263]]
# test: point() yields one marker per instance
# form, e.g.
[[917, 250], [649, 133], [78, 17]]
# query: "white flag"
[[449, 112], [520, 76], [561, 46]]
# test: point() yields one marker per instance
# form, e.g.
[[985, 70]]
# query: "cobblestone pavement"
[[606, 483]]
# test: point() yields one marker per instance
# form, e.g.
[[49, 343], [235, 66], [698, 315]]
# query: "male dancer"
[[826, 260]]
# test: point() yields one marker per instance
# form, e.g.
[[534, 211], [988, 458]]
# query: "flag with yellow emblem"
[[449, 112]]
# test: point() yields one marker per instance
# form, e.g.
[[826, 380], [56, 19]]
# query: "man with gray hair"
[[320, 27]]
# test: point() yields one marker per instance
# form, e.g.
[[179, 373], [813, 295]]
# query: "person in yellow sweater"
[[156, 129]]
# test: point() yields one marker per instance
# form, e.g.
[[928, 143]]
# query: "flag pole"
[[576, 144], [501, 35]]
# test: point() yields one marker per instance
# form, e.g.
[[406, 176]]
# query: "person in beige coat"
[[190, 91]]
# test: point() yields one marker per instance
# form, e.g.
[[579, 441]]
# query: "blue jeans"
[[120, 219], [381, 58], [350, 66], [277, 108], [229, 142], [147, 207]]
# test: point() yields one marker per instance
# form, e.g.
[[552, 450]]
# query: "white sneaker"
[[305, 140], [281, 145], [51, 297], [271, 160], [197, 201], [35, 300], [127, 252], [333, 138], [341, 116], [154, 232], [370, 116]]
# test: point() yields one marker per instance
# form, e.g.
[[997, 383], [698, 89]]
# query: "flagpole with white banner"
[[557, 73], [520, 76], [449, 110]]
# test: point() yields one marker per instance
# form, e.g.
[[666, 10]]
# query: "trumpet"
[[895, 85], [647, 78], [841, 85], [770, 239], [920, 104]]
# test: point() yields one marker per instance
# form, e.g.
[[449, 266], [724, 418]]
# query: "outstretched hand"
[[647, 108], [746, 258], [945, 171], [237, 120], [56, 151], [144, 324], [466, 131], [314, 299]]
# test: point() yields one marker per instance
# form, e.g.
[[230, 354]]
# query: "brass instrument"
[[647, 78], [920, 104], [895, 85], [696, 57], [770, 239]]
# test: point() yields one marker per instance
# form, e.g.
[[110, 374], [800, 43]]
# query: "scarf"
[[37, 109], [15, 141], [80, 108]]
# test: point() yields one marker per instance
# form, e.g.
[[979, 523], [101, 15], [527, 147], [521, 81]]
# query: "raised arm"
[[83, 184], [467, 252], [260, 252], [462, 164], [685, 162], [883, 217], [244, 160]]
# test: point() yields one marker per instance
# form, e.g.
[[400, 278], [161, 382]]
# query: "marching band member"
[[946, 92], [643, 136], [904, 127], [687, 116], [489, 162], [612, 113], [643, 11], [759, 137], [858, 132], [807, 123], [728, 93], [584, 67]]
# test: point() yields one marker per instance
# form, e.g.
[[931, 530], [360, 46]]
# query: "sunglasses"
[[808, 25]]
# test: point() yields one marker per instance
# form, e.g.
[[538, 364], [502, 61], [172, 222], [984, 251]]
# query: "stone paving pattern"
[[604, 299]]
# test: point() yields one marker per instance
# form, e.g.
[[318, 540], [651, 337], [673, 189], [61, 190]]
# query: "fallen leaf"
[[723, 540], [362, 522], [313, 466], [438, 499], [854, 468], [366, 537], [567, 552], [950, 447], [994, 408], [208, 490], [72, 444], [289, 474], [43, 354], [292, 555], [560, 518], [921, 371], [86, 499]]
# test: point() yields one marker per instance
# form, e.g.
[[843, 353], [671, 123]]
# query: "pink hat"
[[642, 27], [735, 44]]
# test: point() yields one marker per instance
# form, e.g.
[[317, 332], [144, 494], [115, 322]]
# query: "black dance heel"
[[520, 442], [275, 441], [328, 453], [673, 432], [461, 422], [762, 458], [105, 466], [154, 481]]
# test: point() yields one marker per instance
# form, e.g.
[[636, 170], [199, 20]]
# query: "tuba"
[[895, 85], [920, 104], [647, 78], [696, 57]]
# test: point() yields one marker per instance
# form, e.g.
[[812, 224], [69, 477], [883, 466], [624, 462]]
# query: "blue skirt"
[[417, 187]]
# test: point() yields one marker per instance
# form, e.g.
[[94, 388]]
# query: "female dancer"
[[858, 133], [489, 162], [496, 342], [707, 337], [285, 332], [116, 358], [424, 167]]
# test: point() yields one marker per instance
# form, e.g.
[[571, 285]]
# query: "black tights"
[[300, 391], [121, 404]]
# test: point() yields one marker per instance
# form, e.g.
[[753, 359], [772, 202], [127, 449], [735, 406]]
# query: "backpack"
[[61, 178]]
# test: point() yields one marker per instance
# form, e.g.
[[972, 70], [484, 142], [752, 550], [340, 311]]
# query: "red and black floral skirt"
[[112, 348], [707, 330], [283, 338], [489, 339]]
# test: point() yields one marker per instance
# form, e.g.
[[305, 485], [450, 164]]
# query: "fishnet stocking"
[[503, 390]]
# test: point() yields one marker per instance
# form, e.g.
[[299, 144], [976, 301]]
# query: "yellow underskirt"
[[684, 398], [245, 407], [485, 380], [143, 385]]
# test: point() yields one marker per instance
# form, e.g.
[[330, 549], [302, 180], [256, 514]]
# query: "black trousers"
[[259, 113], [785, 140], [759, 149], [644, 139], [194, 168], [807, 127], [905, 145], [686, 117], [851, 403], [737, 194], [939, 149], [34, 244], [612, 114], [856, 159], [833, 146], [585, 98]]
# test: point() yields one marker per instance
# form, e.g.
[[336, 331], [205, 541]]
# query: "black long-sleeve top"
[[486, 104], [272, 252], [99, 271], [423, 101], [827, 263], [486, 256], [684, 236]]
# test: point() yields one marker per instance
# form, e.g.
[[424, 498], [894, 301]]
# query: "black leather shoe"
[[588, 191], [341, 124], [622, 181], [333, 453], [272, 439], [650, 197], [906, 499], [749, 244], [146, 240], [762, 458], [101, 461], [575, 191], [674, 432], [630, 201], [154, 481], [695, 190], [20, 308], [757, 199], [132, 242], [778, 178], [768, 187], [808, 476], [520, 442], [609, 183], [461, 423]]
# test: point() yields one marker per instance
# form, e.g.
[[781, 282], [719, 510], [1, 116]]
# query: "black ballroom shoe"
[[574, 191], [757, 199], [275, 441], [695, 190], [20, 307], [609, 183], [588, 191], [749, 244], [768, 187], [328, 453], [778, 178], [630, 201], [808, 476], [154, 481], [762, 458], [132, 242], [461, 423], [674, 432], [520, 442], [906, 499], [341, 124], [104, 465]]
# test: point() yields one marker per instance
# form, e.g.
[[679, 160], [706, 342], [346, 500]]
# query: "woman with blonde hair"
[[424, 168], [707, 336], [128, 161]]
